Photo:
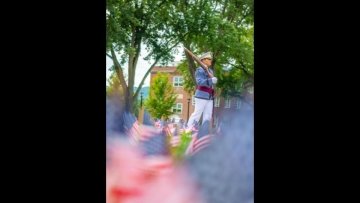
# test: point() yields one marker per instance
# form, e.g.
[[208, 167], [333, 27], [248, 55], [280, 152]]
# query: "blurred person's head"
[[206, 58]]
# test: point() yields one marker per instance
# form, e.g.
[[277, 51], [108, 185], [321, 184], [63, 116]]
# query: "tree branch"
[[118, 69], [246, 14], [165, 45], [149, 70], [241, 67], [224, 8], [108, 55]]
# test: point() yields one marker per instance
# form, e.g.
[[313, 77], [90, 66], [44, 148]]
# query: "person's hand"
[[214, 80]]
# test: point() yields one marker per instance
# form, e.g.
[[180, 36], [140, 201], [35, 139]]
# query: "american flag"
[[154, 141], [155, 145], [132, 127], [178, 132], [172, 128], [157, 124], [175, 140], [181, 131], [195, 126], [167, 130], [200, 139], [136, 132]]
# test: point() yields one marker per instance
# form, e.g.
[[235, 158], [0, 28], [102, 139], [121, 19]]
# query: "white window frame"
[[227, 103], [176, 107], [193, 100], [176, 81]]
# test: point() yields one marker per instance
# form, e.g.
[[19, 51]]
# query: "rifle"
[[199, 62]]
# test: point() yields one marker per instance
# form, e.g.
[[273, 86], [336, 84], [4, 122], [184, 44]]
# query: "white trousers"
[[201, 106]]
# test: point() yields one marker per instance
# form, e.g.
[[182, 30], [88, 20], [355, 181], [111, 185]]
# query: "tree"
[[130, 24], [162, 97], [189, 23], [224, 27]]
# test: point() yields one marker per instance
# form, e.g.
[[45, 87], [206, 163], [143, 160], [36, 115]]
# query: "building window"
[[178, 81], [238, 104], [227, 103], [217, 102], [177, 108], [193, 100]]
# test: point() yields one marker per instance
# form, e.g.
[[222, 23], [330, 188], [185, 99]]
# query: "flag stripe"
[[175, 140]]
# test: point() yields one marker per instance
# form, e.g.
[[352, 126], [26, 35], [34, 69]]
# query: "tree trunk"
[[133, 58], [120, 75]]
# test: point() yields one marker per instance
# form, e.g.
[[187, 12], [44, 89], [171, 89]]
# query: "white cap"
[[206, 55]]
